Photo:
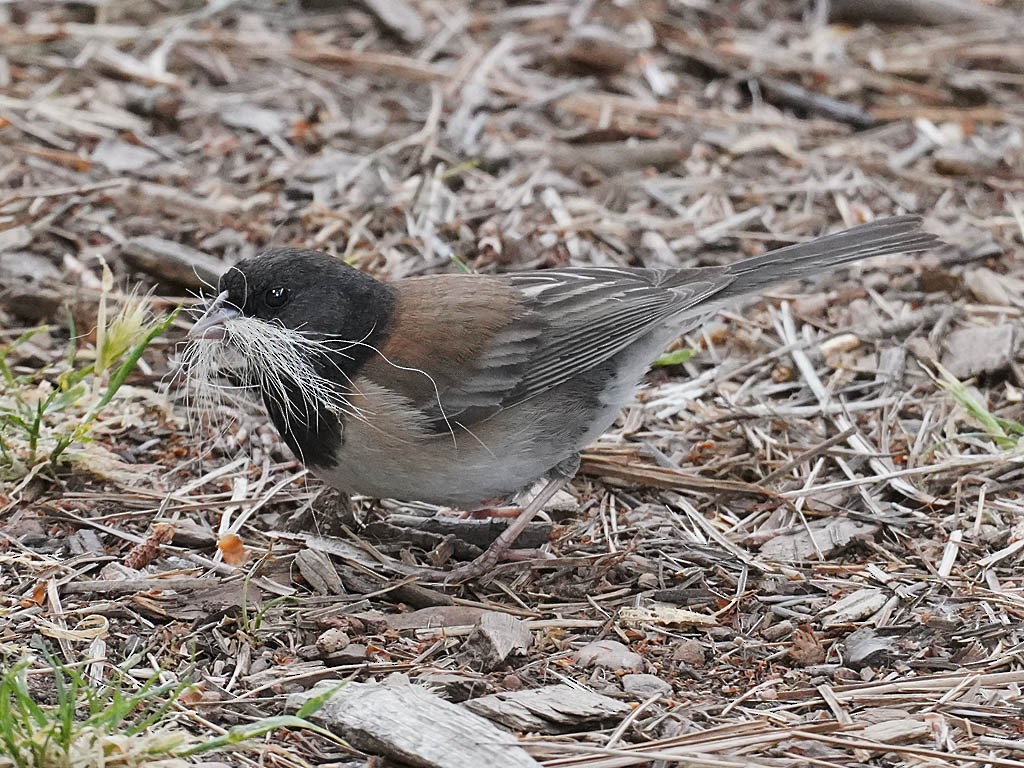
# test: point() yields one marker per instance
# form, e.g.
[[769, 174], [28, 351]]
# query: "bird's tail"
[[899, 234]]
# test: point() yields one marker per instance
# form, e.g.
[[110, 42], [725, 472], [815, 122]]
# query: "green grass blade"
[[248, 731]]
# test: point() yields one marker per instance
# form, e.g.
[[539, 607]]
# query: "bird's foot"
[[490, 513], [501, 546], [483, 565]]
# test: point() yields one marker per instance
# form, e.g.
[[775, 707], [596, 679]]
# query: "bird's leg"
[[560, 475], [501, 545]]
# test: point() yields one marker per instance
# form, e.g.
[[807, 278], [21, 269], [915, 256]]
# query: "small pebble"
[[332, 641], [645, 686], [610, 654], [689, 652], [353, 653], [512, 683]]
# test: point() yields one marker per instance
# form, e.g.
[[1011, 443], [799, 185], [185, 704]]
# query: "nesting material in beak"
[[212, 325]]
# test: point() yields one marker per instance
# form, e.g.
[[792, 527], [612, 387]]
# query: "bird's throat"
[[312, 431]]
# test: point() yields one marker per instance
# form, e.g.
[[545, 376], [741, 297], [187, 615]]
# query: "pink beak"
[[212, 325]]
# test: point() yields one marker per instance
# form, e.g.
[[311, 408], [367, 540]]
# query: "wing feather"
[[470, 346], [592, 313], [473, 345]]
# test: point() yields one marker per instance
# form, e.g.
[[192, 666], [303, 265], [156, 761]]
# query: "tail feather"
[[899, 234]]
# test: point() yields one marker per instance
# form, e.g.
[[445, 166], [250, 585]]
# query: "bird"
[[466, 390]]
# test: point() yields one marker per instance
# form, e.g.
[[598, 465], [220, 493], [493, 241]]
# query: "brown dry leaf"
[[806, 649], [142, 554], [232, 548], [36, 597]]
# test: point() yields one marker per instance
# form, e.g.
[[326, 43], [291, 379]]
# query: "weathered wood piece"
[[408, 723], [554, 709]]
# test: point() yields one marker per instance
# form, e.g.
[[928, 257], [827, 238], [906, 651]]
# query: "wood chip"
[[820, 539], [440, 617], [319, 572], [14, 238], [867, 646], [552, 709], [398, 17], [495, 639], [856, 606], [914, 12], [409, 724], [989, 287], [664, 615], [900, 731], [977, 349], [119, 156], [173, 262]]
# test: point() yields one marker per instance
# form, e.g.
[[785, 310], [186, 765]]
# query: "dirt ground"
[[800, 546]]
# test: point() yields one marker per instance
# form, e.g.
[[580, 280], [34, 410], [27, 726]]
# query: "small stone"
[[645, 686], [609, 654], [974, 350], [512, 682], [332, 641], [647, 581], [689, 652], [353, 653]]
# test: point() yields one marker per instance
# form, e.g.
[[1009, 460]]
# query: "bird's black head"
[[310, 292], [297, 325]]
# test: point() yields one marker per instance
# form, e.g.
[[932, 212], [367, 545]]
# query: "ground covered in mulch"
[[801, 545]]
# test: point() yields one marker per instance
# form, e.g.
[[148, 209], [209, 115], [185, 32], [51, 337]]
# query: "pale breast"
[[390, 455]]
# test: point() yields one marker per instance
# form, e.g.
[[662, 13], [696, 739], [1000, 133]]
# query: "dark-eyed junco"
[[463, 390]]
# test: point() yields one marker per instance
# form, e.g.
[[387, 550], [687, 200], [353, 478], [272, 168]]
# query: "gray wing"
[[591, 314], [576, 319], [473, 345]]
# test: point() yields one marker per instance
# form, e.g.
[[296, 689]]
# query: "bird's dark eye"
[[276, 297]]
